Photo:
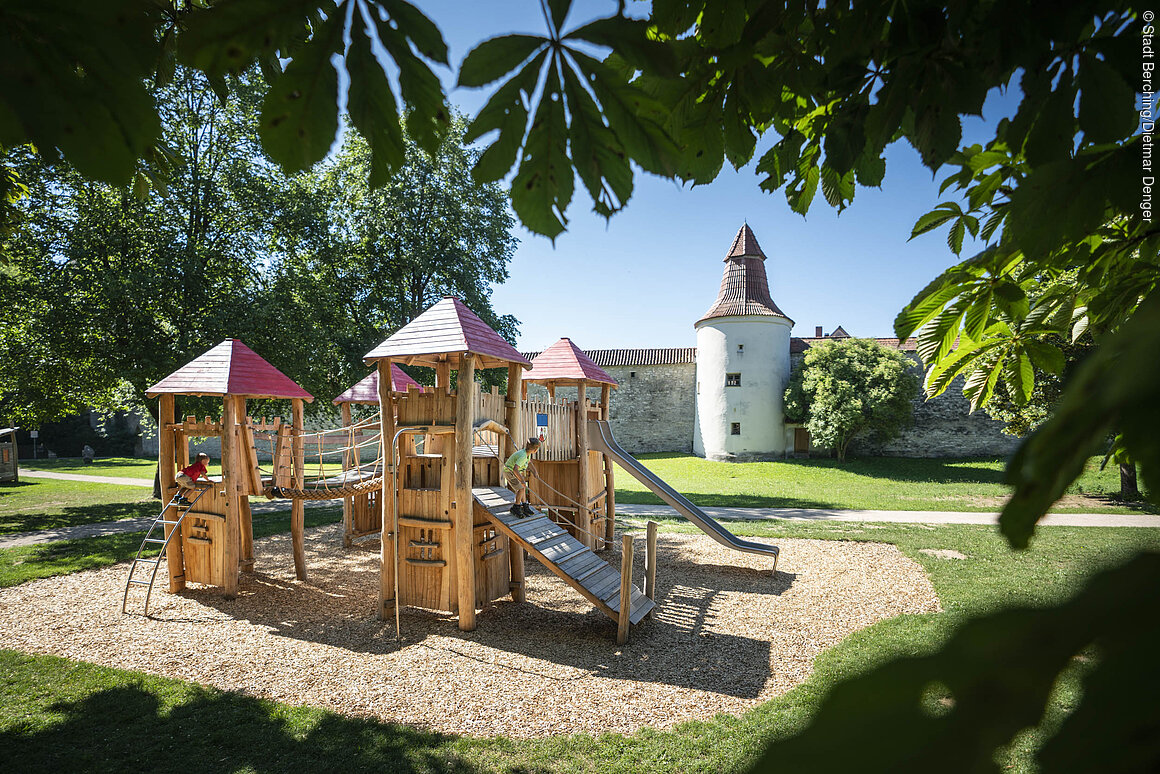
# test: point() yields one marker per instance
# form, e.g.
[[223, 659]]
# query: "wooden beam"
[[298, 505], [512, 420], [228, 572], [166, 457], [348, 501], [464, 513], [443, 374], [247, 457], [625, 591], [582, 492], [650, 564], [609, 485], [388, 594]]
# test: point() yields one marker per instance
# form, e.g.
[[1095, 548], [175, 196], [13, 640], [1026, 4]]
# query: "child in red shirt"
[[187, 478]]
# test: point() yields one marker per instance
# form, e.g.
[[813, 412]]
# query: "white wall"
[[757, 348]]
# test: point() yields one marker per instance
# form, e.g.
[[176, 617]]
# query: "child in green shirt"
[[515, 472]]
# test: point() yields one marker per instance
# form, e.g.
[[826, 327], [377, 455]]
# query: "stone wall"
[[943, 427], [652, 408]]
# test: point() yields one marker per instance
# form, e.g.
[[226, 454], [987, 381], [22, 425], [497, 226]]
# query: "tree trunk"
[[1128, 488]]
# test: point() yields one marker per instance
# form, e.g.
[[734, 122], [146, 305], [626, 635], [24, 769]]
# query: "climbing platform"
[[171, 516], [578, 566]]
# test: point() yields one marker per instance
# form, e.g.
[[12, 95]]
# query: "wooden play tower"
[[362, 514], [216, 540], [448, 540]]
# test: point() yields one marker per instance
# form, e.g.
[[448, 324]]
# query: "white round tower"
[[742, 363]]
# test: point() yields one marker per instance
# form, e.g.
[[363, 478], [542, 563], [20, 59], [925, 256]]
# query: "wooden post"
[[443, 374], [348, 500], [650, 564], [609, 486], [298, 505], [551, 392], [515, 552], [174, 553], [464, 516], [584, 511], [230, 471], [245, 484], [387, 591], [625, 591]]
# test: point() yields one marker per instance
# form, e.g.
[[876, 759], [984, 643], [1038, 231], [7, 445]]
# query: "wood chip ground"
[[726, 637]]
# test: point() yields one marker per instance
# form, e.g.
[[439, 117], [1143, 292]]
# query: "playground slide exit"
[[600, 439]]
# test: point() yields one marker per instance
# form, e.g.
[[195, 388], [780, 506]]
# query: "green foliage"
[[991, 680], [353, 263], [104, 288], [852, 388]]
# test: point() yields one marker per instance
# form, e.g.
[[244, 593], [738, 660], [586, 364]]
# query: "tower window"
[[740, 347], [735, 428], [733, 380], [632, 374]]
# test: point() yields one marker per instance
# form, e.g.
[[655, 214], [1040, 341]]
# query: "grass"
[[57, 714], [47, 503], [121, 467], [43, 560], [872, 483]]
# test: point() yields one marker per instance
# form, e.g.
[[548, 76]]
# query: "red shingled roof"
[[230, 368], [367, 390], [442, 333], [744, 286], [565, 363]]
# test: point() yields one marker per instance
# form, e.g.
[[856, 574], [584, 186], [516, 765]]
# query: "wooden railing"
[[559, 441]]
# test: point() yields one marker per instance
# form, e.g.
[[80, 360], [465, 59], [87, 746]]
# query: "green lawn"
[[46, 503], [122, 467], [43, 560], [64, 715], [871, 483]]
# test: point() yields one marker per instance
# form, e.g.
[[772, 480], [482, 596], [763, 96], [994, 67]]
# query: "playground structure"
[[9, 456], [430, 483]]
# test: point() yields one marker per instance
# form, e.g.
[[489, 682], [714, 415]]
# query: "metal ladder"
[[151, 539]]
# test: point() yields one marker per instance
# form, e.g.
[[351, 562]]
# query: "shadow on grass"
[[946, 470], [714, 500], [76, 515], [126, 729]]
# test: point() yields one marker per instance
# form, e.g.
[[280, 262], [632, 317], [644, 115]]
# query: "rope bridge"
[[339, 447]]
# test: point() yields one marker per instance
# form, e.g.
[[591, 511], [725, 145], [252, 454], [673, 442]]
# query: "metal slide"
[[600, 439]]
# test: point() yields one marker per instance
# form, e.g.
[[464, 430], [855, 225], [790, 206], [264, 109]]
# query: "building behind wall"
[[723, 399]]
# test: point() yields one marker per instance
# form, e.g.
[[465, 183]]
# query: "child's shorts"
[[185, 481], [513, 483]]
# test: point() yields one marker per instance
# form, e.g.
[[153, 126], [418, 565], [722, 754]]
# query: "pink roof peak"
[[565, 362], [230, 368], [367, 390], [443, 332]]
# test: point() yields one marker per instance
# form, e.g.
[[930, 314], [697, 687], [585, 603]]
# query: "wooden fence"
[[555, 424]]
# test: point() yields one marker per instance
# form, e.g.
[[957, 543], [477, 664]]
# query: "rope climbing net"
[[326, 464]]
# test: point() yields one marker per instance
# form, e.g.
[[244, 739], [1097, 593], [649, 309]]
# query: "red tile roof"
[[609, 358], [564, 362], [230, 368], [799, 345], [744, 285], [443, 332], [367, 390]]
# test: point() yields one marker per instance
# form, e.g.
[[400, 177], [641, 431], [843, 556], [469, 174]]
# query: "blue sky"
[[643, 278]]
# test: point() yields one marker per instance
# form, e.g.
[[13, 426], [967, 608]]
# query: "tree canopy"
[[1062, 186], [849, 389]]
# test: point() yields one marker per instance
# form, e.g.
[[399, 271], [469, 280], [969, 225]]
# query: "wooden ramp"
[[564, 555]]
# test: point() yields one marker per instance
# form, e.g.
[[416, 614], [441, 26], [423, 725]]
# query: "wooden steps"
[[564, 555]]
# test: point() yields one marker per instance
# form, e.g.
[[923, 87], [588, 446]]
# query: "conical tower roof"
[[565, 363], [230, 368], [367, 390], [442, 334], [744, 286]]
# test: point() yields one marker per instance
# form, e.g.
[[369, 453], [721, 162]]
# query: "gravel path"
[[85, 477], [726, 637]]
